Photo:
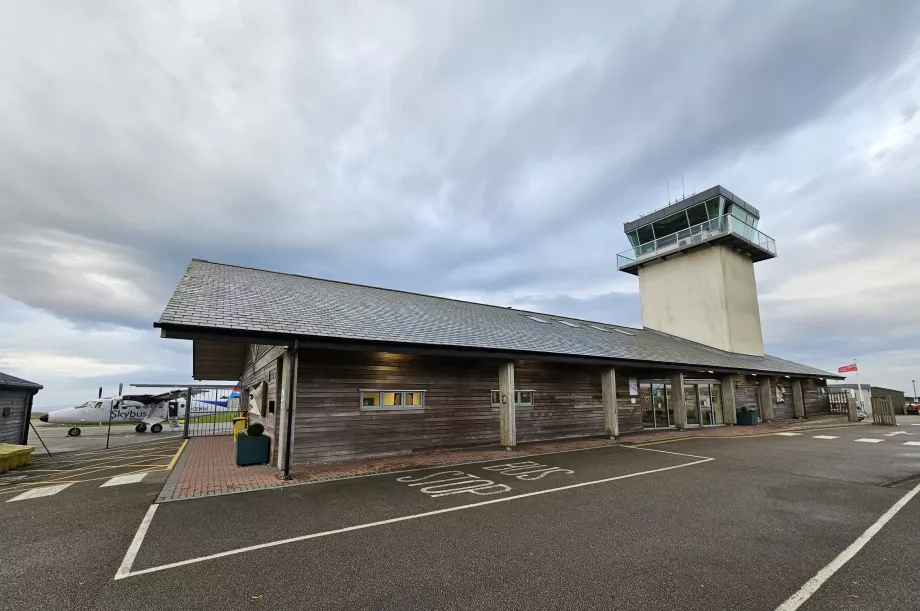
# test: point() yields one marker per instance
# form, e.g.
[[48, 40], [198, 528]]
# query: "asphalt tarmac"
[[661, 527]]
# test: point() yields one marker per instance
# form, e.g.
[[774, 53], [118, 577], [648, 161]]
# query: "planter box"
[[252, 450], [747, 418], [13, 456]]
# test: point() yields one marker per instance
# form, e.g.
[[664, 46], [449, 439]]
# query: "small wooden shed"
[[16, 397]]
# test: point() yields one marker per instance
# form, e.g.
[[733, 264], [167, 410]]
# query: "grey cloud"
[[474, 147]]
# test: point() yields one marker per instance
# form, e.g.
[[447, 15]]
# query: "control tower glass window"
[[714, 207], [642, 235], [670, 224], [697, 214]]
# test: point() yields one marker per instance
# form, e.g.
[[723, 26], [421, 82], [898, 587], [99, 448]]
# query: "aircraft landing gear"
[[156, 428], [140, 428], [74, 432]]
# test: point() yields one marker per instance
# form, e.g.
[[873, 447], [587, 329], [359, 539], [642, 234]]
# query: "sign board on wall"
[[257, 399], [633, 387]]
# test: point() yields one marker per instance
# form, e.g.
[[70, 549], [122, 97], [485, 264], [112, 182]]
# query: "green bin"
[[747, 418], [252, 450]]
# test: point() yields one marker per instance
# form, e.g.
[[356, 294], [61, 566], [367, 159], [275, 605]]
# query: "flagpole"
[[858, 385]]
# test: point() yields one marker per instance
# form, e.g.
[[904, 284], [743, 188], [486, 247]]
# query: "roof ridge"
[[405, 292]]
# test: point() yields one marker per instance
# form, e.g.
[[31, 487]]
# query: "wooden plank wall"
[[817, 402], [329, 423], [567, 401], [746, 392], [261, 364], [784, 410], [11, 426], [629, 410]]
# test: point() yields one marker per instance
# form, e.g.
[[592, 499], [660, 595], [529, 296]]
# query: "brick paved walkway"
[[207, 466]]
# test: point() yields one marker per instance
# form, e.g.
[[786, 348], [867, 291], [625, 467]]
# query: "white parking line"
[[895, 433], [788, 434], [870, 440], [125, 569], [812, 585], [118, 480], [825, 437], [35, 493], [912, 443]]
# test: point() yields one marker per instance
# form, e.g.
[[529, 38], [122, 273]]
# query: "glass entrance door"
[[704, 403], [655, 401], [717, 416], [692, 404], [706, 414]]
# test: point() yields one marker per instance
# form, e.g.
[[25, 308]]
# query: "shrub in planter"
[[252, 447]]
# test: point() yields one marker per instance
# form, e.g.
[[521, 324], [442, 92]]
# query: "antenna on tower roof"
[[669, 192], [683, 194]]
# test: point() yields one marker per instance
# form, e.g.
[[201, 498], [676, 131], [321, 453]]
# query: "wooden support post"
[[798, 399], [609, 395], [729, 416], [851, 410], [767, 412], [508, 423], [677, 400], [285, 410]]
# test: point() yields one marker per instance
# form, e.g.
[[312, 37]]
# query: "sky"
[[480, 150]]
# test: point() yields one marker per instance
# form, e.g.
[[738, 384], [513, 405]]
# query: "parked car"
[[913, 408]]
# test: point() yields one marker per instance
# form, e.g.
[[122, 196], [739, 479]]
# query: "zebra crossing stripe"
[[788, 434], [124, 479], [825, 437], [870, 440], [912, 443], [35, 493]]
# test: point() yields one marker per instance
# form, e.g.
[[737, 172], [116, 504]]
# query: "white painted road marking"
[[796, 600], [825, 437], [896, 433], [870, 440], [118, 480], [35, 493], [788, 434], [527, 470], [125, 568], [453, 482], [912, 443]]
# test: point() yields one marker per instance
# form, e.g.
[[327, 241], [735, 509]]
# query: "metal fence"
[[143, 414], [201, 410]]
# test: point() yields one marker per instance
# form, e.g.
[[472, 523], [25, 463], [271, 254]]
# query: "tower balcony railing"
[[713, 229]]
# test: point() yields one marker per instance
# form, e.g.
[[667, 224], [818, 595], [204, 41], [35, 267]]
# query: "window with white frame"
[[522, 398], [392, 400]]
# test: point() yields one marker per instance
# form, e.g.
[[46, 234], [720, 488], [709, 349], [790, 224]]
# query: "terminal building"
[[350, 370]]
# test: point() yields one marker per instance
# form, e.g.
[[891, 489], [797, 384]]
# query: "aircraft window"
[[98, 405]]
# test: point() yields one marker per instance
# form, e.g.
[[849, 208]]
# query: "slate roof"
[[7, 380], [214, 296]]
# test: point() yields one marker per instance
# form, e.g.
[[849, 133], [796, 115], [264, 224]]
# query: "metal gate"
[[201, 410], [883, 411]]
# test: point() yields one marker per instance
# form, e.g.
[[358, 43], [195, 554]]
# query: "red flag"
[[847, 368]]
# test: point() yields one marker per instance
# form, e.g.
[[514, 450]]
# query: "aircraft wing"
[[169, 395]]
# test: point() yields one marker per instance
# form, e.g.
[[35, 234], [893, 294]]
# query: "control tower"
[[695, 262]]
